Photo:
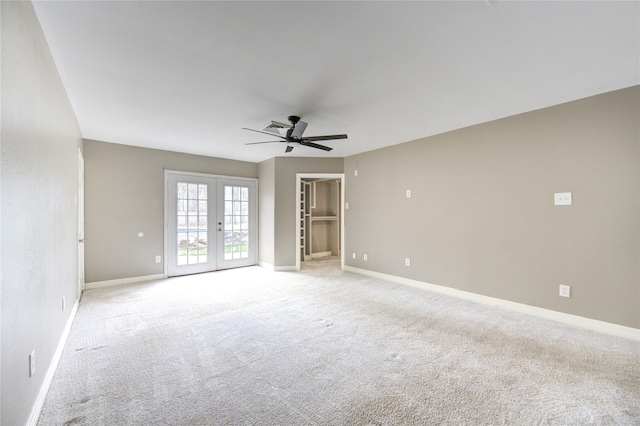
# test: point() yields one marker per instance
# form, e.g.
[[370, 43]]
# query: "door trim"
[[299, 177], [81, 221], [165, 225]]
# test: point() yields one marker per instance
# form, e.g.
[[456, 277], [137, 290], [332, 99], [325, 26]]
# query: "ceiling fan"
[[292, 134]]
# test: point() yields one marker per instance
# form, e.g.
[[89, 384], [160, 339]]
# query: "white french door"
[[236, 223], [211, 223]]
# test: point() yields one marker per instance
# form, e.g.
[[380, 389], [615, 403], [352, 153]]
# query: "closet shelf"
[[323, 218]]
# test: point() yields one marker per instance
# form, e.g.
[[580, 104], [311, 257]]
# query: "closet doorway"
[[319, 217]]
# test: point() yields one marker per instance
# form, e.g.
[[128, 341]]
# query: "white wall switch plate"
[[158, 259], [408, 193], [346, 206], [354, 255], [355, 172], [562, 199], [407, 262], [365, 257], [565, 290]]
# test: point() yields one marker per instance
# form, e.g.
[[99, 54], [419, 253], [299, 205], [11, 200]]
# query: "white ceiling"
[[187, 76]]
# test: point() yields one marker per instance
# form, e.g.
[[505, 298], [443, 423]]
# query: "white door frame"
[[299, 178], [80, 205], [167, 207]]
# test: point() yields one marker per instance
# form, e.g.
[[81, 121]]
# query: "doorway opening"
[[320, 220]]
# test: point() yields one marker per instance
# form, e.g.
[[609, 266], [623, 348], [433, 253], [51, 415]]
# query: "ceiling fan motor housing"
[[293, 119]]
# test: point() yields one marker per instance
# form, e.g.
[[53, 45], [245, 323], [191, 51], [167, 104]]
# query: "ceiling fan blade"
[[297, 130], [256, 143], [289, 149], [315, 145], [324, 138], [266, 133]]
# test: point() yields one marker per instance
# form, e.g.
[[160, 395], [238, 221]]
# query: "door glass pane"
[[191, 223], [183, 244], [236, 218], [182, 190]]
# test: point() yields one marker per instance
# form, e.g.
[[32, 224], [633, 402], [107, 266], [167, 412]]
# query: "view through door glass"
[[192, 238], [236, 222]]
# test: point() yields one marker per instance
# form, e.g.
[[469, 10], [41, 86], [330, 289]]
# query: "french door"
[[210, 223]]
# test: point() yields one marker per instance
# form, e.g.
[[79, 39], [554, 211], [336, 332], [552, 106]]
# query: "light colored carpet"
[[326, 347]]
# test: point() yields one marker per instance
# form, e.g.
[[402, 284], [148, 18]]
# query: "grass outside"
[[202, 251]]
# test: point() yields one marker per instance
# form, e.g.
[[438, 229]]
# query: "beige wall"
[[481, 217], [266, 215], [124, 195], [38, 257], [285, 196]]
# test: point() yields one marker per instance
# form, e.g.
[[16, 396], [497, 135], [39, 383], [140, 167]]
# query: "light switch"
[[408, 193], [562, 199]]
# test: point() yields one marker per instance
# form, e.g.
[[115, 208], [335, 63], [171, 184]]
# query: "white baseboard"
[[271, 267], [51, 371], [265, 265], [588, 323], [121, 281], [320, 254], [285, 268]]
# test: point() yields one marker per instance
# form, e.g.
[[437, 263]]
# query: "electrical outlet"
[[365, 257], [562, 199], [354, 255], [32, 363], [63, 304], [565, 290], [158, 259], [407, 262]]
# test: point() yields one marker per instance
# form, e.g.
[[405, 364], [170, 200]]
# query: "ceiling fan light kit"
[[292, 134]]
